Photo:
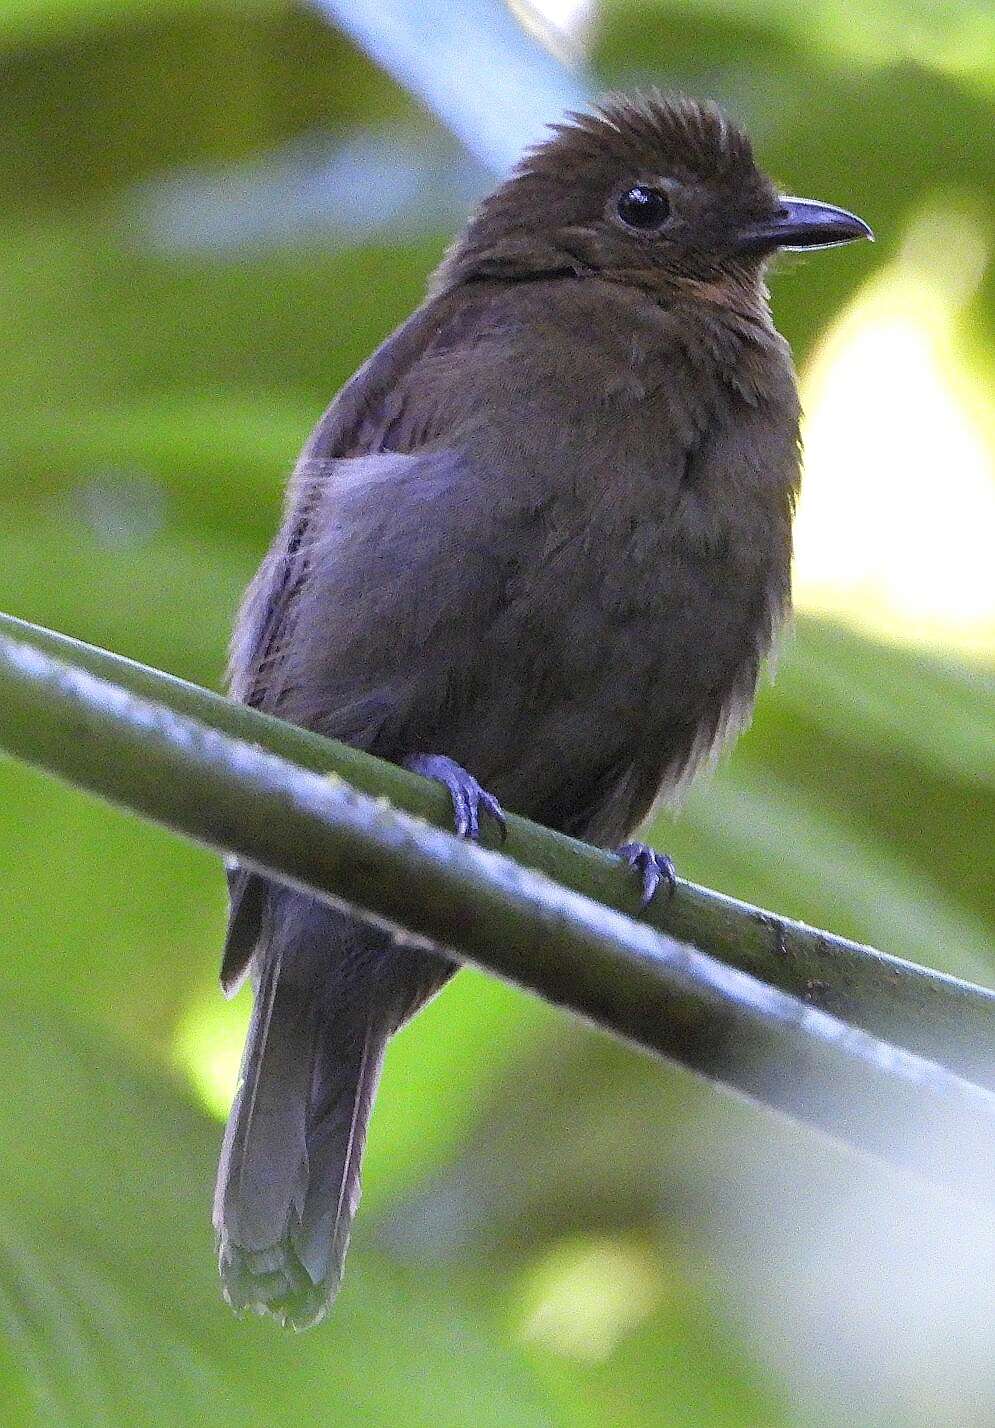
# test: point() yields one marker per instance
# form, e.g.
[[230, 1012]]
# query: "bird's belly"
[[609, 686]]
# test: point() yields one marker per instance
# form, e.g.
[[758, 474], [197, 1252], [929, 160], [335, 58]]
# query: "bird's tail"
[[288, 1182]]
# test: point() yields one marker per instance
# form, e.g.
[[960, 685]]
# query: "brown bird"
[[538, 548]]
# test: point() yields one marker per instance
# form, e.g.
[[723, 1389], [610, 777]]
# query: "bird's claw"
[[655, 868], [469, 798]]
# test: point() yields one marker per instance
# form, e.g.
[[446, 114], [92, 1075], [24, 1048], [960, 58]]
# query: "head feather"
[[647, 130], [549, 216]]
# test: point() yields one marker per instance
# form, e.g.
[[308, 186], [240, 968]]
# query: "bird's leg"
[[655, 868], [469, 798]]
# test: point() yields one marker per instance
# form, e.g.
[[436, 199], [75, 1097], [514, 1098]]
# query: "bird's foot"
[[655, 868], [470, 800]]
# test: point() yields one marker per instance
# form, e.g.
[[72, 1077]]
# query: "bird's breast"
[[652, 588]]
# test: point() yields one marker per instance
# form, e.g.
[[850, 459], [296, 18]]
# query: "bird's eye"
[[643, 208]]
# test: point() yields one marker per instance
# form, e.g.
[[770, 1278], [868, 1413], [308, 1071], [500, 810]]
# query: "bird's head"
[[646, 191]]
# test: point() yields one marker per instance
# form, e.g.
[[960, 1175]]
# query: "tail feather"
[[289, 1178], [264, 1155]]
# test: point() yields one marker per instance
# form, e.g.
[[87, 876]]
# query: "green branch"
[[428, 888], [926, 1012]]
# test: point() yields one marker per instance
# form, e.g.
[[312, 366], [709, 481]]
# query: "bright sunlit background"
[[210, 215], [896, 524]]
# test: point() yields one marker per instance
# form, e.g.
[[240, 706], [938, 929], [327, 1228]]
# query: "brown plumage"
[[544, 531]]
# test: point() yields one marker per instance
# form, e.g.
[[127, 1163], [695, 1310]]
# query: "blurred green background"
[[211, 213]]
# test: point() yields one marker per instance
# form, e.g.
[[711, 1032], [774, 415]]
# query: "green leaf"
[[32, 20]]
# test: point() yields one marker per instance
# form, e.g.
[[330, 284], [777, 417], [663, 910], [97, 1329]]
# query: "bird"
[[537, 548]]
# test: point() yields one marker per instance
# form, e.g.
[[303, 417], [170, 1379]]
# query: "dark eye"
[[643, 208]]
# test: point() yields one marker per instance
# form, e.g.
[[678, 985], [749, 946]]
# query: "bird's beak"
[[803, 223]]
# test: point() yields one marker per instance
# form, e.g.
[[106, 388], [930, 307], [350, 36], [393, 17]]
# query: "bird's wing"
[[376, 600], [352, 504], [357, 421]]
